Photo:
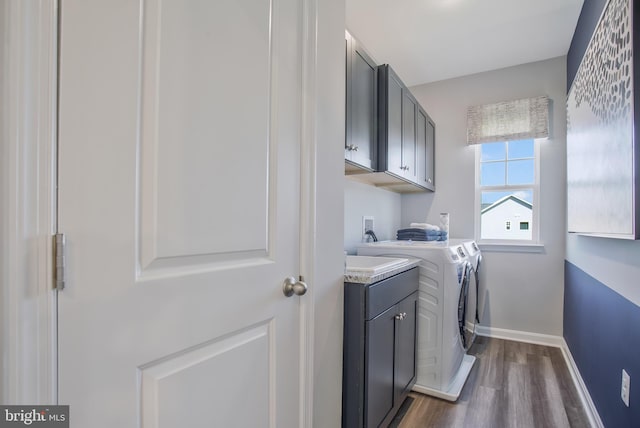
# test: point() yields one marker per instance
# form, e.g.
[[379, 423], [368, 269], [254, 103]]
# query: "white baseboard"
[[556, 342], [521, 336], [585, 397]]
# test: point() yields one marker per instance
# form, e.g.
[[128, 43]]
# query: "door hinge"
[[58, 261]]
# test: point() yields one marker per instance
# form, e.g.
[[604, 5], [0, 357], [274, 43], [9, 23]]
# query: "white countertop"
[[362, 277]]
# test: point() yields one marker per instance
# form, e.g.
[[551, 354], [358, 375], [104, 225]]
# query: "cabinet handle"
[[429, 180], [352, 148], [401, 316], [355, 148]]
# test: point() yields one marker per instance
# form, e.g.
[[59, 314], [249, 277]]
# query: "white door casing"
[[179, 194], [28, 82]]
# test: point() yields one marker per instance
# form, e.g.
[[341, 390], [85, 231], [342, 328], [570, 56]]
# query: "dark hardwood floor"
[[512, 385]]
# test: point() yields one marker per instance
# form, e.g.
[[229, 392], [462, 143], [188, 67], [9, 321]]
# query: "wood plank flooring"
[[512, 385]]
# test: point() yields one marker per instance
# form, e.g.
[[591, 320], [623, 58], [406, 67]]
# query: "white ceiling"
[[429, 40]]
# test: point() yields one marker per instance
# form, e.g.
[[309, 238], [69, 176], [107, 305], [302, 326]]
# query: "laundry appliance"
[[444, 271], [476, 296]]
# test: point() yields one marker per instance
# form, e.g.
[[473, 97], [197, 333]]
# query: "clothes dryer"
[[477, 294], [445, 272]]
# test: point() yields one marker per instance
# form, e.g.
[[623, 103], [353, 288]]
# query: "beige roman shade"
[[508, 121]]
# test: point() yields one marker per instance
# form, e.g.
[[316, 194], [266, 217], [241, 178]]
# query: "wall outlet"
[[367, 224], [626, 384]]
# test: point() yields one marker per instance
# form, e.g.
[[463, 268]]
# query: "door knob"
[[292, 286]]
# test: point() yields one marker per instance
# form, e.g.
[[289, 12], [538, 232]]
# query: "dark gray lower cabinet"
[[405, 349], [379, 366]]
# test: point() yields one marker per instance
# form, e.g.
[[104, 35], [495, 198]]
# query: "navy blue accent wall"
[[589, 17], [601, 327], [602, 330]]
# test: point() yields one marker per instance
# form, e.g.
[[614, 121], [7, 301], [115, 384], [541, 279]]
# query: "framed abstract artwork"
[[602, 153]]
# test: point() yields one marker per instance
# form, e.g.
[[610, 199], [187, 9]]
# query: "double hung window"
[[507, 138], [507, 188]]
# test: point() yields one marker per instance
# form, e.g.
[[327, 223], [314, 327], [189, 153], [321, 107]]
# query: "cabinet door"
[[361, 106], [425, 139], [421, 147], [379, 390], [405, 346], [409, 107], [348, 43], [430, 161], [394, 125], [364, 81]]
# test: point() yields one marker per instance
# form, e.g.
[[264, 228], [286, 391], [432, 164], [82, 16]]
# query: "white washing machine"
[[477, 291], [442, 363]]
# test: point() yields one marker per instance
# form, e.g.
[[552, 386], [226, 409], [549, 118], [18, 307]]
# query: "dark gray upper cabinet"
[[406, 137], [389, 138], [391, 118], [361, 107], [425, 149], [430, 158], [409, 110]]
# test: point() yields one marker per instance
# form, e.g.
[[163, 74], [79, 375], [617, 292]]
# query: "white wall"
[[614, 262], [525, 289], [366, 200]]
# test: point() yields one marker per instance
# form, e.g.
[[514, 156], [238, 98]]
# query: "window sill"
[[511, 247]]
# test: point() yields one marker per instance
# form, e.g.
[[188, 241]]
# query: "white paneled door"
[[179, 195]]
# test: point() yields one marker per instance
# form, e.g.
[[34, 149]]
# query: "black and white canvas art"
[[600, 193]]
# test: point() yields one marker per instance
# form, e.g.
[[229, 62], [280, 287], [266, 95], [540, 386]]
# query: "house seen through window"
[[507, 190]]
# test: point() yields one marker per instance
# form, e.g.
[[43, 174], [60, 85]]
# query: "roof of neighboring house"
[[505, 199]]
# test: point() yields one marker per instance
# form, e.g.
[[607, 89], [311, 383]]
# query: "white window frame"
[[518, 245]]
